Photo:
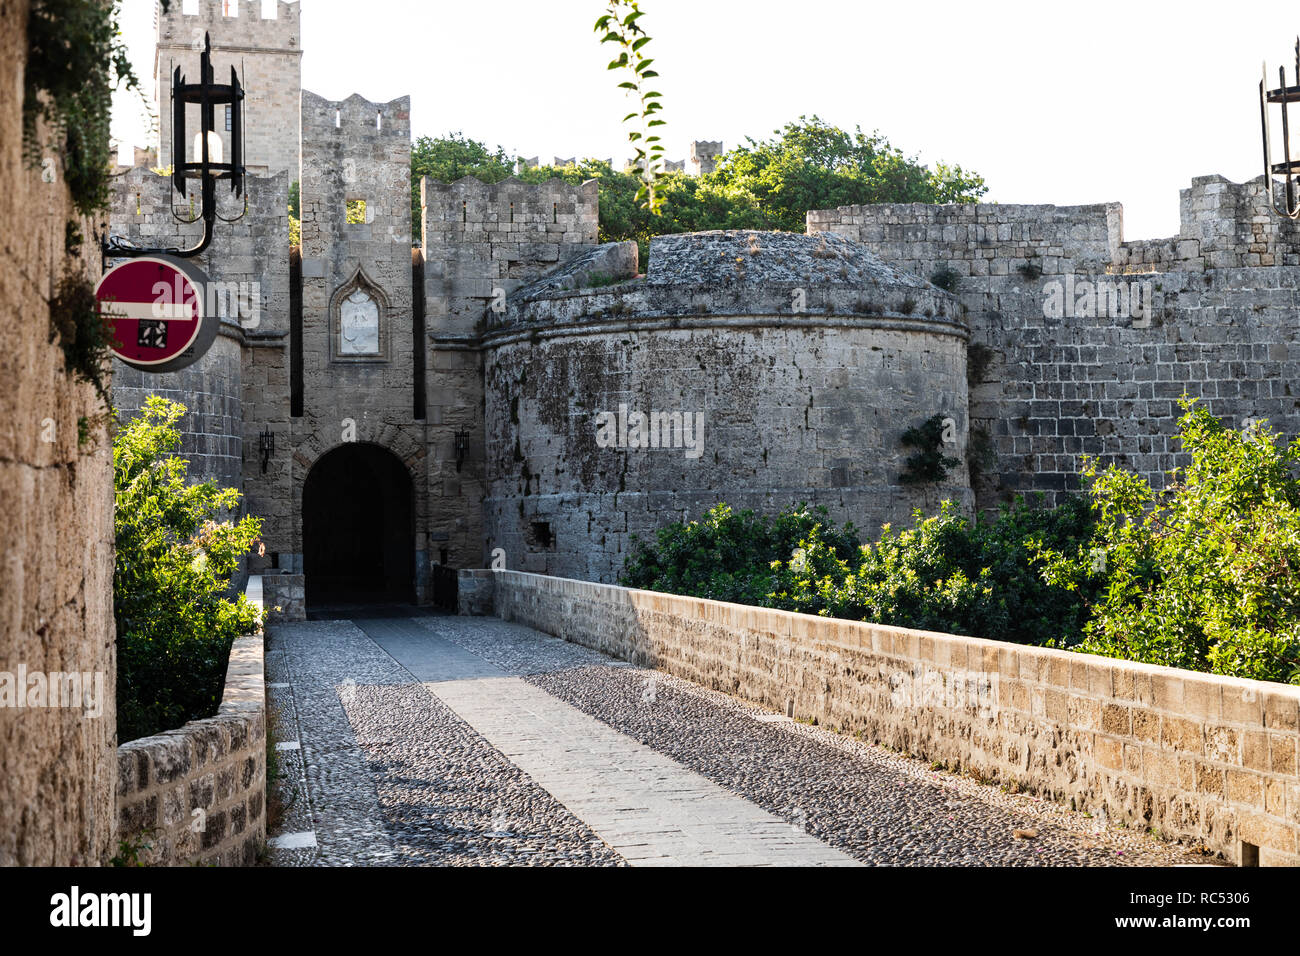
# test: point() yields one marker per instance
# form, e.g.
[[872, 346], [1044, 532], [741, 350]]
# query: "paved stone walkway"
[[471, 741]]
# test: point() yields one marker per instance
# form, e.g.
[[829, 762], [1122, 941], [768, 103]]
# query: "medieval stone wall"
[[356, 160], [57, 765], [250, 258], [796, 405], [1082, 343], [481, 243], [196, 795]]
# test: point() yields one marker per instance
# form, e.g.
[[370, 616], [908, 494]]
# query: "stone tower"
[[268, 54], [703, 157]]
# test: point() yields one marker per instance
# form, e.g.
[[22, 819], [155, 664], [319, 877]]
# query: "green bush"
[[177, 548], [1204, 574], [949, 573], [728, 555]]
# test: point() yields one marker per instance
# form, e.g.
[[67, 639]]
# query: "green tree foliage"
[[1204, 574], [295, 214], [928, 463], [445, 159], [76, 57], [947, 573], [728, 555], [621, 27], [177, 547], [769, 184], [811, 164]]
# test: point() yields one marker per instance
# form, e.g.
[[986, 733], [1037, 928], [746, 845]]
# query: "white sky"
[[1097, 102]]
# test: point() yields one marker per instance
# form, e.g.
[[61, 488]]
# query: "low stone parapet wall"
[[474, 587], [1194, 757], [285, 597], [196, 794]]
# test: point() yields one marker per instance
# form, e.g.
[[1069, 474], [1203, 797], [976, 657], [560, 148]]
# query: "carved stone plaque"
[[359, 325]]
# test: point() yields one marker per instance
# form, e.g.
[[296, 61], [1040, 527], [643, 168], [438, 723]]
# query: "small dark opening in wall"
[[540, 536], [442, 556], [555, 212], [275, 559], [464, 210], [1249, 854]]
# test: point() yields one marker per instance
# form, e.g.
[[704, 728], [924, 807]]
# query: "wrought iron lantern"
[[207, 164], [266, 446], [1288, 204], [462, 438]]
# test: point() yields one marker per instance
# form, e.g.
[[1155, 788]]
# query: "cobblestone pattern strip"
[[393, 776], [883, 807]]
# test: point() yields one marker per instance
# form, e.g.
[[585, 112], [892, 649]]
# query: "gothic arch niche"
[[359, 321], [358, 528]]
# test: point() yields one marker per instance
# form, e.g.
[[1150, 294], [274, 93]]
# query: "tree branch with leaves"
[[621, 27]]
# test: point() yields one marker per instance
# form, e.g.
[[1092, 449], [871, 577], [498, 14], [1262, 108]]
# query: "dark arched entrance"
[[357, 529]]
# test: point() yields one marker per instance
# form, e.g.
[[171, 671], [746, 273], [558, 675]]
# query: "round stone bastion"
[[759, 369]]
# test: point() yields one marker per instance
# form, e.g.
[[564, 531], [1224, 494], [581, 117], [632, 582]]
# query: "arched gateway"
[[358, 528]]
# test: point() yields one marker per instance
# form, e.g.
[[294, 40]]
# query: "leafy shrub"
[[928, 464], [1205, 574], [728, 555], [948, 572], [177, 548], [945, 277]]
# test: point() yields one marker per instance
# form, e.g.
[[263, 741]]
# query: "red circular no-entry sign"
[[157, 308]]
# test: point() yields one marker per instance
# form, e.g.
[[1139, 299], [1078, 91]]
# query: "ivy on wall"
[[76, 58], [929, 464]]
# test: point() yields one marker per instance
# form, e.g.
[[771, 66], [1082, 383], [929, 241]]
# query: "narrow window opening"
[[512, 212], [1249, 854], [138, 210], [356, 212], [379, 120], [338, 119], [555, 212], [442, 556], [464, 211]]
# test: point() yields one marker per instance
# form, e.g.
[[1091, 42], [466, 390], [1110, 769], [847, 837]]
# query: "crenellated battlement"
[[1224, 225], [233, 24], [355, 117], [268, 54]]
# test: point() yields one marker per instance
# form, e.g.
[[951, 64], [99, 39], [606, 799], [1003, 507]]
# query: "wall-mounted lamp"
[[462, 439], [266, 445], [1289, 169]]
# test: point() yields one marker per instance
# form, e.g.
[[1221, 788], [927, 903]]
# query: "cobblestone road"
[[471, 741]]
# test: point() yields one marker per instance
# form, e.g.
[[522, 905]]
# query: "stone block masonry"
[[1047, 386], [197, 794], [56, 510], [1195, 757]]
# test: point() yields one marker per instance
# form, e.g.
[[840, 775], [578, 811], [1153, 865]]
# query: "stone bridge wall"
[[1202, 759], [197, 794]]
